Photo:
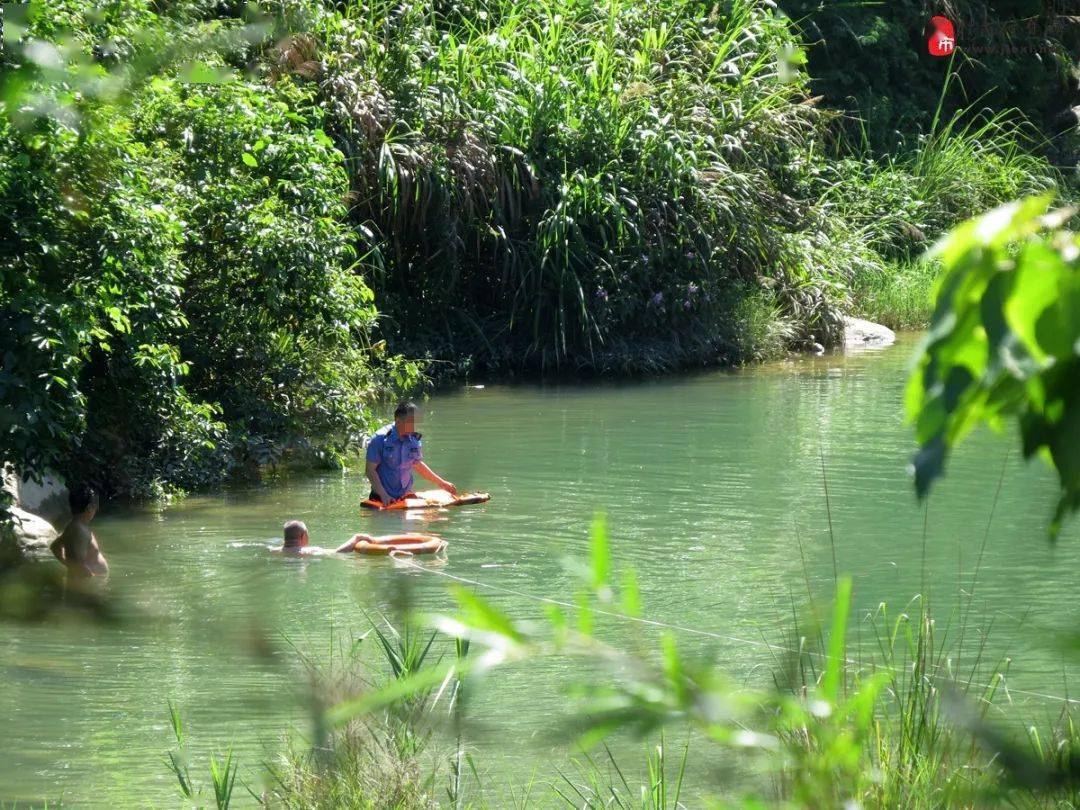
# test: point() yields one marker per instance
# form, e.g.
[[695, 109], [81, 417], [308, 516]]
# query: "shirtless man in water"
[[295, 542], [76, 547]]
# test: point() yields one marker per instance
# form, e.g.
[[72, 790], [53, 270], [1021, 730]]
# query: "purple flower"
[[692, 288], [657, 299], [687, 305], [644, 258], [690, 254], [601, 294]]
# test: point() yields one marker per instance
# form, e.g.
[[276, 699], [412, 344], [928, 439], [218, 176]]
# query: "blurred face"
[[410, 424], [303, 540], [91, 510]]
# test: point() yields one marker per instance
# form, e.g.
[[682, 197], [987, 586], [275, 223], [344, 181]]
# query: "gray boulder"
[[32, 531], [40, 510], [860, 334]]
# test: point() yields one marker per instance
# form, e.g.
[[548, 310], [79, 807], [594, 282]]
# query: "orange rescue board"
[[403, 543], [430, 499]]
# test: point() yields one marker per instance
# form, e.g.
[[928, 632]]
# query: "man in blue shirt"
[[392, 455]]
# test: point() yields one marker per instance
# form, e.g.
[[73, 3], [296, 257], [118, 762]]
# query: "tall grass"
[[560, 184], [614, 185], [900, 203], [372, 762], [899, 295], [385, 759], [600, 782], [921, 733], [911, 751], [941, 730], [222, 772]]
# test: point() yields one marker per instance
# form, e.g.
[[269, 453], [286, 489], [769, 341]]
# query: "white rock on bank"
[[860, 334], [40, 511], [32, 531]]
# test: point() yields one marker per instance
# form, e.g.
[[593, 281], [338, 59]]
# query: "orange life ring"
[[404, 543]]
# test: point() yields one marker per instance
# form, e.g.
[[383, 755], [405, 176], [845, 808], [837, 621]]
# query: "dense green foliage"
[[204, 203], [962, 165], [178, 298], [871, 60], [624, 180], [637, 185], [1004, 343]]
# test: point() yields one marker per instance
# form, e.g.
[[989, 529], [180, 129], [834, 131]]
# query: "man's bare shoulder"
[[76, 531]]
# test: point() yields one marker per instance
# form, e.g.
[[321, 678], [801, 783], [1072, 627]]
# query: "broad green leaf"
[[1003, 343], [477, 612], [1038, 275]]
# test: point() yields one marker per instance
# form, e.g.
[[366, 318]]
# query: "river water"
[[713, 488]]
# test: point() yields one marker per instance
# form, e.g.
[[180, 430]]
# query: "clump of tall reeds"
[[899, 204], [553, 186], [620, 186], [385, 758]]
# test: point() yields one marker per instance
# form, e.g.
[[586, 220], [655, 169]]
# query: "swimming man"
[[77, 547], [296, 542], [392, 455]]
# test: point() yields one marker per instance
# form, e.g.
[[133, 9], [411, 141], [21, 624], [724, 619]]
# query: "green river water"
[[708, 481]]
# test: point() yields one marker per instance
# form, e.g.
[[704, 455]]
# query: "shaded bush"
[[178, 294], [871, 60]]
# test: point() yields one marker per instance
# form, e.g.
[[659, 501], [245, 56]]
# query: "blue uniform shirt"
[[395, 456]]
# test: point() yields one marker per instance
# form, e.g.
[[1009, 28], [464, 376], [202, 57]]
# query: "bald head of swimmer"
[[296, 535], [406, 417]]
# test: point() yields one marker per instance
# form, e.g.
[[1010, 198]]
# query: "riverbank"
[[627, 218], [263, 227]]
